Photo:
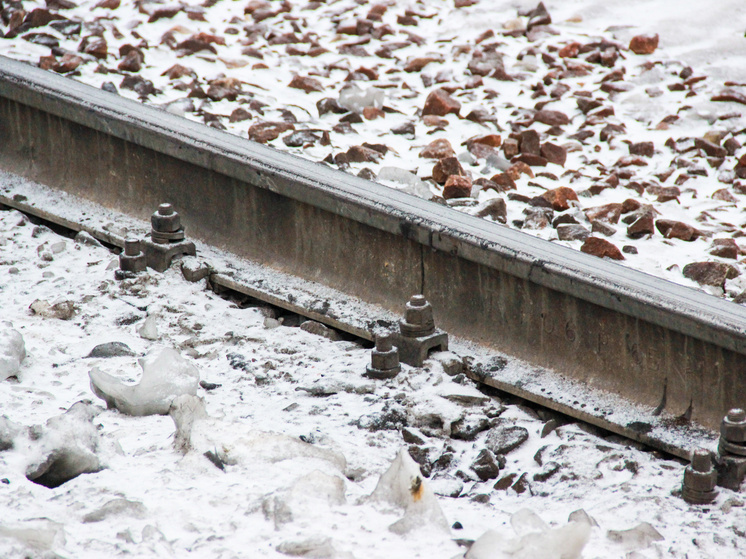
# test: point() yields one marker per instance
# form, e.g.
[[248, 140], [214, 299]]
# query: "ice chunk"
[[355, 98], [149, 328], [185, 410], [116, 507], [38, 534], [166, 375], [198, 432], [8, 433], [526, 521], [313, 547], [535, 540], [12, 350], [308, 496], [402, 485], [412, 184], [67, 447], [639, 537]]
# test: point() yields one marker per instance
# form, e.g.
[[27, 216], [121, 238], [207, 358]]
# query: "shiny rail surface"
[[594, 322]]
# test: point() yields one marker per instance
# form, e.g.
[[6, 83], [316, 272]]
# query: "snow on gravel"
[[348, 82], [288, 457]]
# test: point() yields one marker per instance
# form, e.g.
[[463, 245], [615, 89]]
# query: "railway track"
[[612, 346]]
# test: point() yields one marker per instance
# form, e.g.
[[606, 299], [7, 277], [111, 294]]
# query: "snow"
[[279, 457], [291, 452]]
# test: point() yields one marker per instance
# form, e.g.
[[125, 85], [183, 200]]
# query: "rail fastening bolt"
[[132, 247], [166, 225], [384, 359], [700, 478], [132, 259], [733, 433], [418, 318]]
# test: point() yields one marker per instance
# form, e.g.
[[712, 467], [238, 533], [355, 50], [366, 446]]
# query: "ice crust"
[[12, 350], [166, 375]]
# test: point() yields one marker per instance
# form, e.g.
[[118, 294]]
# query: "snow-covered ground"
[[278, 71], [287, 457]]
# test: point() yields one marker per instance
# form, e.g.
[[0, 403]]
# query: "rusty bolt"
[[733, 433], [166, 225], [165, 220], [700, 478], [418, 318], [132, 259], [733, 427], [132, 247], [384, 359]]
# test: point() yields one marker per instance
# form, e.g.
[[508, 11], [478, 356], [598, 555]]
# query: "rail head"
[[585, 277]]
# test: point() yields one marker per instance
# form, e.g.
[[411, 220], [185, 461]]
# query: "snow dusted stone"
[[403, 486], [111, 349], [68, 446], [725, 248], [318, 547], [560, 198], [445, 168], [535, 540], [486, 465], [504, 438], [166, 375], [319, 329], [457, 186], [494, 208], [116, 507], [85, 238], [601, 248], [644, 44], [572, 232], [452, 364], [9, 431], [61, 310], [710, 273], [438, 149], [676, 230], [447, 487], [440, 103], [12, 350]]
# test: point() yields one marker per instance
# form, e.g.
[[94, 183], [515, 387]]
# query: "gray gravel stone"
[[502, 439]]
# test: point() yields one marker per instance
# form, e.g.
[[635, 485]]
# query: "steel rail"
[[595, 321]]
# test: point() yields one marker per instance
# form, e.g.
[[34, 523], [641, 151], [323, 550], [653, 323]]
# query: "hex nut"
[[165, 220], [733, 427], [384, 359], [418, 318]]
